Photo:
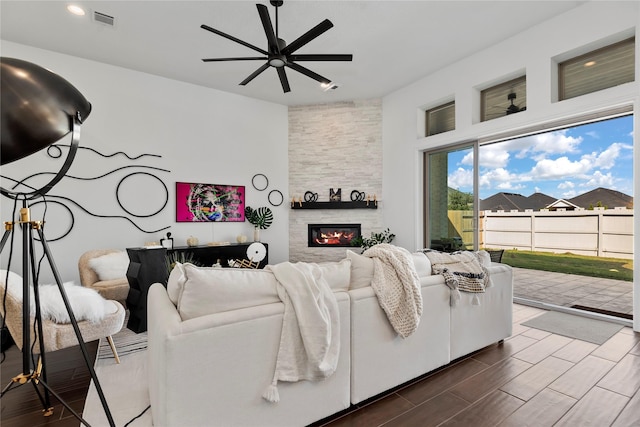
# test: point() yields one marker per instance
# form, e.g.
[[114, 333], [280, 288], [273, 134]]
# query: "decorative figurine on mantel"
[[335, 195]]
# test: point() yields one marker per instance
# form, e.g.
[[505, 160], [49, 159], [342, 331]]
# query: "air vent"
[[104, 18]]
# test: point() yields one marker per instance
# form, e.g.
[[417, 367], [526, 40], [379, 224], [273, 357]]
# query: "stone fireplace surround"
[[335, 145]]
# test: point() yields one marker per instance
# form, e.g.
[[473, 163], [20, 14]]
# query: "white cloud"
[[600, 180], [510, 186], [559, 168], [569, 194], [501, 178], [565, 185], [593, 134], [492, 156], [543, 144], [461, 178], [607, 158]]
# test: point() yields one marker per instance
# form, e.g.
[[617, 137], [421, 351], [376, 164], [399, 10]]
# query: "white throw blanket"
[[310, 338], [397, 286]]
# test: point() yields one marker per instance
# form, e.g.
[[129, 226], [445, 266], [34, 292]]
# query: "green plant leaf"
[[261, 217]]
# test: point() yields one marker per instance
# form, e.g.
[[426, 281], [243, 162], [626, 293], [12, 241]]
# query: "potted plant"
[[366, 242], [261, 219]]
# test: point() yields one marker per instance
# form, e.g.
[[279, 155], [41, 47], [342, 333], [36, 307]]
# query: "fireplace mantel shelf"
[[335, 205]]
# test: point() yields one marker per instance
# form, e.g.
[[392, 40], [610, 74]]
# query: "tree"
[[459, 201]]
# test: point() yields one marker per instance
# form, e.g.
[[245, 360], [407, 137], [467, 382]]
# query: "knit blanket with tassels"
[[397, 286], [462, 271]]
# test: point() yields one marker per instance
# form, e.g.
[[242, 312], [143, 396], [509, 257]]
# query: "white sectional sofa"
[[213, 346]]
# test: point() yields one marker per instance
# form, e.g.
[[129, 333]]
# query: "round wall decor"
[[260, 181], [275, 198]]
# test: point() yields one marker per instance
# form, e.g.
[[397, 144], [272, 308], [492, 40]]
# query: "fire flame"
[[335, 238]]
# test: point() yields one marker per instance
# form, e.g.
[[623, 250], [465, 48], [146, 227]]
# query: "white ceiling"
[[393, 43]]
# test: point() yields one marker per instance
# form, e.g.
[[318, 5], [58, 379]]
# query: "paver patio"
[[571, 289]]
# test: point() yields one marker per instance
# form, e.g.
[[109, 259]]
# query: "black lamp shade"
[[37, 108]]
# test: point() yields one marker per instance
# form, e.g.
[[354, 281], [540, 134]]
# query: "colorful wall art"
[[209, 202]]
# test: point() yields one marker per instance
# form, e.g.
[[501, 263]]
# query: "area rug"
[[572, 326], [124, 385]]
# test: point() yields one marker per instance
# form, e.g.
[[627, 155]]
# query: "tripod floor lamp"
[[38, 108]]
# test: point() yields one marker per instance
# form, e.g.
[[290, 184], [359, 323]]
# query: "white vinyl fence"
[[598, 232]]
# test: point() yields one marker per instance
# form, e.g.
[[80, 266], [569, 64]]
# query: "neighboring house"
[[604, 197], [513, 201]]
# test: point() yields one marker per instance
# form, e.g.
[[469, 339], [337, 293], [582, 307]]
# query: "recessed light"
[[590, 63], [76, 10]]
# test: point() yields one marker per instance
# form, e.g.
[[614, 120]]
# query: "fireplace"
[[332, 235]]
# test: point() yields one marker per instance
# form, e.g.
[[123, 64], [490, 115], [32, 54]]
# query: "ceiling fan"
[[513, 108], [510, 109], [279, 54]]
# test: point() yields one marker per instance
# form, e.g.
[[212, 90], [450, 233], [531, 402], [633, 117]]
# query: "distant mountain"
[[514, 201]]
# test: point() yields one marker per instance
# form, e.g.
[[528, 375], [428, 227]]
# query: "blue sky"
[[562, 164]]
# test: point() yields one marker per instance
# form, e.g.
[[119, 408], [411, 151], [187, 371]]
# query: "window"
[[600, 69], [504, 99], [441, 119]]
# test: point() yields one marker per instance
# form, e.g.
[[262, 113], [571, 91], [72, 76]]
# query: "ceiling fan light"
[[277, 62], [328, 86]]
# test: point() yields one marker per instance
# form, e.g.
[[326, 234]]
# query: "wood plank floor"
[[533, 379], [68, 376]]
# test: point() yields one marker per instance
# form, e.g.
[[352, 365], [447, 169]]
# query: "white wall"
[[533, 51], [203, 135]]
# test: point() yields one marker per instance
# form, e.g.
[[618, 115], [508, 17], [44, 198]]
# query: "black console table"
[[148, 266]]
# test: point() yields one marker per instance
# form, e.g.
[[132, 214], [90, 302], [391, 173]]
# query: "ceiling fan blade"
[[244, 58], [227, 36], [283, 80], [328, 57], [307, 37], [268, 29], [255, 74], [307, 72]]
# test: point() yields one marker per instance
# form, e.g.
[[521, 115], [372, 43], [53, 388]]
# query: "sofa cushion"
[[110, 266], [361, 270], [209, 290], [337, 274]]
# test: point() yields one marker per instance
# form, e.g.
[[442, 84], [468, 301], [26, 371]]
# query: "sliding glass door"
[[450, 183], [559, 201]]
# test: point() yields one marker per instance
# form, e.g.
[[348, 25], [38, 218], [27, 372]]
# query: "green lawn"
[[610, 268]]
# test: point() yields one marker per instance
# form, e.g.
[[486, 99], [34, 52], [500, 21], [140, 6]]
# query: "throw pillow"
[[484, 257], [175, 283], [110, 266], [422, 264], [361, 270], [210, 290], [337, 274]]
